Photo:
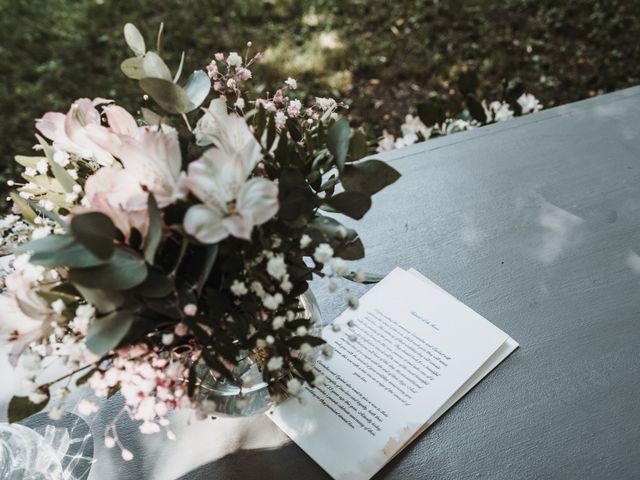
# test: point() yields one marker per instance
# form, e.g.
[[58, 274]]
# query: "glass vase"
[[248, 394]]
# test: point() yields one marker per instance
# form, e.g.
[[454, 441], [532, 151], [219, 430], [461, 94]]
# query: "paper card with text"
[[400, 360]]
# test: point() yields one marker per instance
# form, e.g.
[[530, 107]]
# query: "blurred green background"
[[380, 57]]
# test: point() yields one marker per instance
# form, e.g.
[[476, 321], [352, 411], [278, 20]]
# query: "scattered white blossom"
[[234, 59], [339, 266]]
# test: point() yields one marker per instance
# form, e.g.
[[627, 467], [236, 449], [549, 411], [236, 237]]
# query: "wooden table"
[[535, 224]]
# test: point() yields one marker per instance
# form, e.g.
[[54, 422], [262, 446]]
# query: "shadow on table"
[[283, 462]]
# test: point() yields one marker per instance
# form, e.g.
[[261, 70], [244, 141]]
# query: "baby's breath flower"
[[234, 60], [305, 241], [275, 363], [291, 83], [339, 266], [276, 267], [323, 253], [190, 309], [294, 386], [38, 397], [278, 322], [272, 302], [239, 288]]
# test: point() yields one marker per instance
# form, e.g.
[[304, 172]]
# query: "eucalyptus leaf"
[[134, 39], [104, 300], [197, 88], [26, 161], [156, 285], [154, 67], [368, 177], [366, 278], [352, 204], [154, 234], [50, 214], [48, 244], [107, 332], [59, 172], [150, 117], [74, 255], [168, 95], [25, 210], [125, 270], [96, 232], [133, 67], [338, 141], [21, 408], [358, 146]]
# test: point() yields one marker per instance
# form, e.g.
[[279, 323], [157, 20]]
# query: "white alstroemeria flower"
[[227, 131], [232, 205]]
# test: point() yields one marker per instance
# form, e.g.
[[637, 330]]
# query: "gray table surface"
[[535, 224]]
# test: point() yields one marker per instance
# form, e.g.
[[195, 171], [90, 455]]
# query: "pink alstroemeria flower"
[[150, 156], [69, 131]]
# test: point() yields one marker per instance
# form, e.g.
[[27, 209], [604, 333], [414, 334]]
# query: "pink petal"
[[120, 121]]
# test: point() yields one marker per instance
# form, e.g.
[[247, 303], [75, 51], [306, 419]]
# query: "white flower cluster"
[[413, 130]]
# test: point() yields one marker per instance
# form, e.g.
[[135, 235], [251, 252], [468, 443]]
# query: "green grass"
[[381, 57]]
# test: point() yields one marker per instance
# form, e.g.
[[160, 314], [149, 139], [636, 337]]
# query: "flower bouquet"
[[148, 251]]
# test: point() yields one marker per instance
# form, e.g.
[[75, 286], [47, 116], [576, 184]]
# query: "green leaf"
[[134, 39], [73, 255], [125, 270], [61, 175], [48, 244], [150, 117], [107, 332], [154, 67], [25, 161], [368, 177], [133, 67], [345, 241], [338, 141], [50, 214], [95, 231], [353, 204], [25, 210], [168, 95], [21, 407], [358, 146], [104, 300], [155, 230], [156, 285], [197, 88]]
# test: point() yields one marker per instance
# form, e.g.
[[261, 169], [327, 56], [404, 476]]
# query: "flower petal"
[[258, 200], [205, 224], [239, 226], [120, 121]]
